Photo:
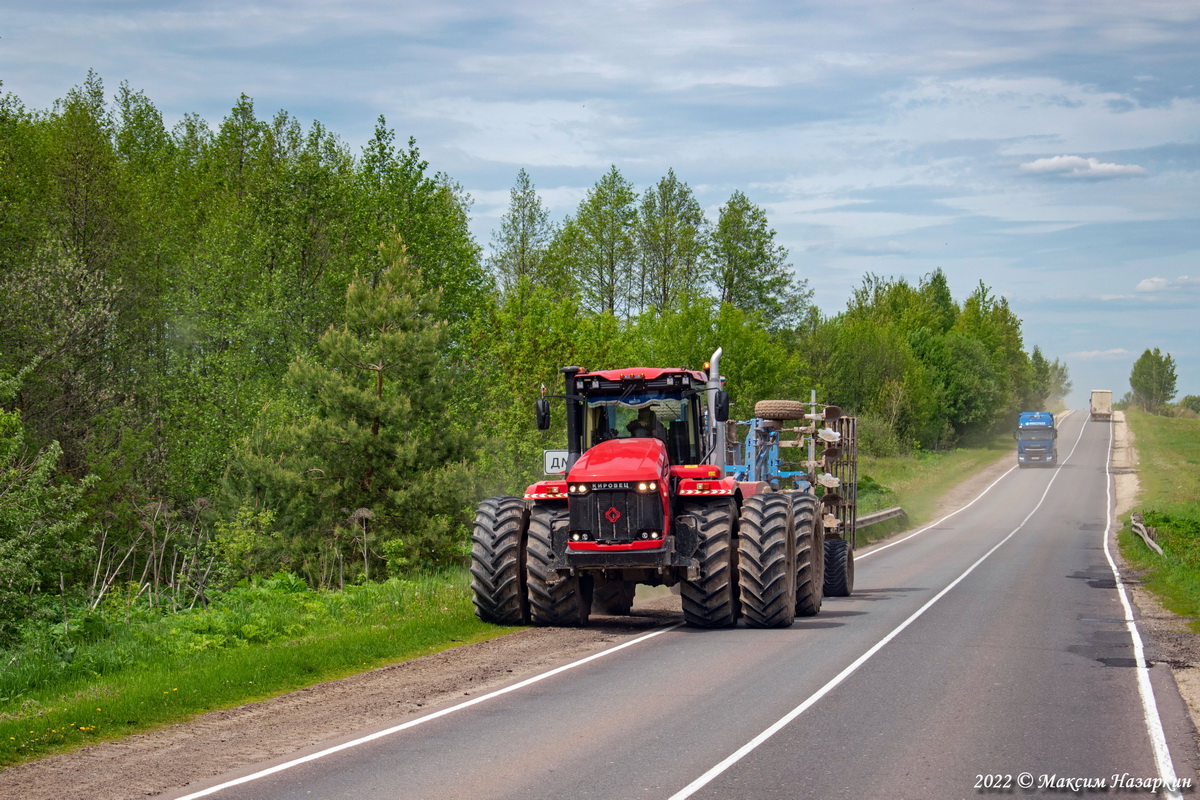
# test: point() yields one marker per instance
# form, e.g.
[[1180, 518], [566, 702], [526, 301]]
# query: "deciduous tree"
[[671, 237], [1153, 379], [519, 246], [602, 245], [749, 269], [43, 541]]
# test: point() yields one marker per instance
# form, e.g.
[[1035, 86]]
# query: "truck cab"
[[1037, 439]]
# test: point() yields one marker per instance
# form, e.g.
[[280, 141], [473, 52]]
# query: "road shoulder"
[[1168, 638]]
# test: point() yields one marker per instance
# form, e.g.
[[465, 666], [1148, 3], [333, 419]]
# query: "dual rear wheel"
[[780, 559]]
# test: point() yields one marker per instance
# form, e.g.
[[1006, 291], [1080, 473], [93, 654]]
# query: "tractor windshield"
[[672, 419]]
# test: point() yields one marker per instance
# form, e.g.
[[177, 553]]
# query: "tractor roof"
[[644, 373]]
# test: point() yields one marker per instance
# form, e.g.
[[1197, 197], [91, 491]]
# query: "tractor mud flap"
[[687, 535]]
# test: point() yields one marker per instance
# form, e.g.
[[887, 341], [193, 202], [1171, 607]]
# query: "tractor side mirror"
[[832, 413], [542, 408], [722, 405]]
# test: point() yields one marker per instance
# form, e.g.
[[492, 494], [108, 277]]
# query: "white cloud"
[[1182, 283], [1079, 167], [1115, 354]]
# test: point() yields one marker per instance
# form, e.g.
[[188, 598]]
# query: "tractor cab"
[[654, 414], [613, 405]]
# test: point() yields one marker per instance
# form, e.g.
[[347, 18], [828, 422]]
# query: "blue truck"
[[1037, 439]]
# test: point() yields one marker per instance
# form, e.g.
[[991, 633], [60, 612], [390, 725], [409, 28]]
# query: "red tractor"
[[646, 497]]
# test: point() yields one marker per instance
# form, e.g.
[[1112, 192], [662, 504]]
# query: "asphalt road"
[[987, 648]]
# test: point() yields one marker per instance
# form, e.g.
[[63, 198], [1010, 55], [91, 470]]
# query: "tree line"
[[236, 349]]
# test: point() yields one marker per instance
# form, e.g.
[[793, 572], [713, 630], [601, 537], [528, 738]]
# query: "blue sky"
[[1051, 150]]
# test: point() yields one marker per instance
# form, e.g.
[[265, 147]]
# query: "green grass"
[[917, 483], [1169, 475], [131, 669]]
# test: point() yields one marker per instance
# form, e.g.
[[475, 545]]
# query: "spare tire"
[[780, 409]]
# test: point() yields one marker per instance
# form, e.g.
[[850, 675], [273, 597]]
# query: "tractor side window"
[[683, 434], [600, 423]]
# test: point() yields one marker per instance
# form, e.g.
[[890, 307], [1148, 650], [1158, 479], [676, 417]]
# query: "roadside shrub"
[[1178, 533], [877, 438], [873, 495]]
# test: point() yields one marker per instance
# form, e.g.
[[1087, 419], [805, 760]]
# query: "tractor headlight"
[[578, 488], [647, 486]]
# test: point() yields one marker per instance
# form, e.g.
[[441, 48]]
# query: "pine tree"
[[379, 457]]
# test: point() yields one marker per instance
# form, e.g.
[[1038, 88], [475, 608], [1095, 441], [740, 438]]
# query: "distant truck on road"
[[1036, 439], [1102, 405]]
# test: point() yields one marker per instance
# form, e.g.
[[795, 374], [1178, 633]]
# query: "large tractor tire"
[[839, 568], [554, 600], [613, 597], [712, 600], [767, 561], [809, 582], [780, 409], [498, 561]]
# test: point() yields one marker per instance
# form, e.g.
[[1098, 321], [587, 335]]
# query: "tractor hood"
[[622, 460]]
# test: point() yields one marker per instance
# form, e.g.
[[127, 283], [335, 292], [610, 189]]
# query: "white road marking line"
[[1154, 728], [783, 722], [427, 718]]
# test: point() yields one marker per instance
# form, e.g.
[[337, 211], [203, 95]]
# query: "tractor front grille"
[[616, 517]]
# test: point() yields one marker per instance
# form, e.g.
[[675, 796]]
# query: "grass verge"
[[1169, 476], [131, 669]]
